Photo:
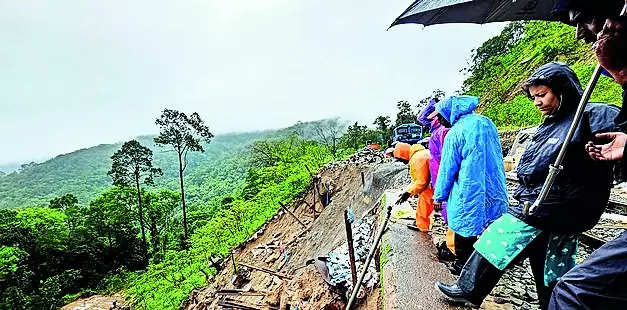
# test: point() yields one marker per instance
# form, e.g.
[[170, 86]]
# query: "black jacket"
[[581, 190], [621, 123]]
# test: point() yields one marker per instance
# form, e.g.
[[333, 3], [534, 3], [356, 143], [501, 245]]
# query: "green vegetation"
[[384, 251], [67, 229], [132, 165], [499, 67], [281, 179], [131, 238], [183, 133]]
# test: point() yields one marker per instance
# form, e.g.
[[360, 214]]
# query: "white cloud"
[[81, 73]]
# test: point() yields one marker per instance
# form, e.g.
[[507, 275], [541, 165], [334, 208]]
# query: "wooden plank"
[[292, 214], [266, 270]]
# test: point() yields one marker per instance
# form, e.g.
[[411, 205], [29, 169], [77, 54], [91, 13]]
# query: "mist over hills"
[[83, 172]]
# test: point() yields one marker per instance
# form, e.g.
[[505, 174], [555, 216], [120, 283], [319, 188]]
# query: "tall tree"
[[63, 202], [132, 165], [183, 133], [356, 136], [328, 132], [159, 208], [404, 114], [383, 124]]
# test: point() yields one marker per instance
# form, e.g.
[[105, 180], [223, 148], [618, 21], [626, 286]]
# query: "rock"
[[501, 300], [519, 290], [272, 257], [516, 301], [499, 291], [532, 295], [276, 281], [241, 278]]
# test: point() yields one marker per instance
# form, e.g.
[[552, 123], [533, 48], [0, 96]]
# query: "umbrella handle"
[[557, 166]]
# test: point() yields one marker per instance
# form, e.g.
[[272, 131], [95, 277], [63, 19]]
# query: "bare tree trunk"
[[183, 201], [152, 229], [141, 216]]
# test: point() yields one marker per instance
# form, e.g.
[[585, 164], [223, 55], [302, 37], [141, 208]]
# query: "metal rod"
[[233, 261], [557, 166], [326, 187], [315, 187], [351, 250], [315, 193], [292, 214], [373, 250]]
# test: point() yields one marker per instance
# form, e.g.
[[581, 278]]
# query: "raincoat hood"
[[562, 80], [454, 107], [471, 175], [422, 117], [401, 151], [415, 148]]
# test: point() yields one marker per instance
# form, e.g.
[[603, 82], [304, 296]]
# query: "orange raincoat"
[[419, 171]]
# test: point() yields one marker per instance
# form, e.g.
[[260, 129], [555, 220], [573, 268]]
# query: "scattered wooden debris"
[[292, 214], [229, 303], [266, 270], [242, 292]]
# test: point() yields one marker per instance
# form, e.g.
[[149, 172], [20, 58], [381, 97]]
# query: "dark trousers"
[[479, 276], [600, 282], [463, 248]]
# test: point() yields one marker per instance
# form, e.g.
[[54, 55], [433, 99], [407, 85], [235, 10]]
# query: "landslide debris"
[[278, 267]]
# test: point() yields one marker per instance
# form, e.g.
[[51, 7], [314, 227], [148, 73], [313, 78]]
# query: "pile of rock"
[[367, 156], [517, 288], [338, 262]]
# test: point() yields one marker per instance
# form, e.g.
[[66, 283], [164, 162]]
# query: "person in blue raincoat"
[[471, 177]]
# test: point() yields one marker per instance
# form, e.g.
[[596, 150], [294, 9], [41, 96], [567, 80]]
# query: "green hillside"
[[83, 173], [498, 68]]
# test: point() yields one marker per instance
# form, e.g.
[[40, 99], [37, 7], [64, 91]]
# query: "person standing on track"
[[471, 176]]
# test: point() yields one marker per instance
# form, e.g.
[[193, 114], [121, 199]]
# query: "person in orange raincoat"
[[418, 158]]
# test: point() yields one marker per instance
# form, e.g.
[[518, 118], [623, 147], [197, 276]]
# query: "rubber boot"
[[463, 250], [478, 278]]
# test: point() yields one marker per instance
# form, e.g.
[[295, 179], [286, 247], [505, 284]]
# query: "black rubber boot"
[[478, 278], [454, 294]]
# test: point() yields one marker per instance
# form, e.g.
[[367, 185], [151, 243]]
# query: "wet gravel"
[[517, 288]]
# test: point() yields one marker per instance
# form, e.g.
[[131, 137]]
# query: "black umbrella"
[[430, 12]]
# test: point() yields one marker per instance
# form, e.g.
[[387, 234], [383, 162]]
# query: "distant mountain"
[[8, 168], [84, 172]]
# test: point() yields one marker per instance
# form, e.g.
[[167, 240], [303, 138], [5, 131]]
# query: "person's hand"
[[609, 151], [403, 197], [611, 48], [437, 206]]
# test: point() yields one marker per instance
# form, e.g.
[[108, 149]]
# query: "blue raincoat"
[[471, 177]]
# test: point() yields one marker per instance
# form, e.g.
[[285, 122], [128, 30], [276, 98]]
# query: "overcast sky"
[[74, 74]]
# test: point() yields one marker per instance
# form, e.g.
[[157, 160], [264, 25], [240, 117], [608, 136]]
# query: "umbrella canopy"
[[430, 12]]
